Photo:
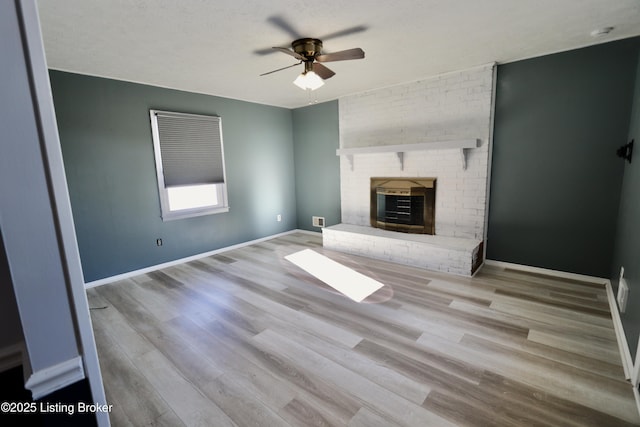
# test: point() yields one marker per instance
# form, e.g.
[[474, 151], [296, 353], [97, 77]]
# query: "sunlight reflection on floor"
[[349, 282]]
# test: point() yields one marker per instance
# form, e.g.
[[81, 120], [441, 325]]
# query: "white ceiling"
[[208, 46]]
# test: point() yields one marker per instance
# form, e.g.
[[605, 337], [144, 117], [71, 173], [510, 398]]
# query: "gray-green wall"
[[316, 136], [555, 178], [627, 253], [108, 153]]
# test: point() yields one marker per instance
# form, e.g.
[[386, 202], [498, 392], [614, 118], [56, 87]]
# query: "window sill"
[[190, 213]]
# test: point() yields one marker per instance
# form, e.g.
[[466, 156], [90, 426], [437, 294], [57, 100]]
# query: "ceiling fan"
[[308, 51]]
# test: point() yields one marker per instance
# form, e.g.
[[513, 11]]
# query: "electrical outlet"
[[158, 242], [317, 221], [278, 217]]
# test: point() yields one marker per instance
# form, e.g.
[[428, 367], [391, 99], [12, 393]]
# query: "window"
[[189, 164]]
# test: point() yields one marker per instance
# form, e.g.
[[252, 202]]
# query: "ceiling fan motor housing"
[[307, 47]]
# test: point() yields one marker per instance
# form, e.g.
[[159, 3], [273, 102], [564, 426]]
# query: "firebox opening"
[[403, 204]]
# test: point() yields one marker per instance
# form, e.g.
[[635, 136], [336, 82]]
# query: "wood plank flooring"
[[248, 339]]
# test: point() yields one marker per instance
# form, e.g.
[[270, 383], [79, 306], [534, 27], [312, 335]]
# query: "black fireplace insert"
[[403, 204]]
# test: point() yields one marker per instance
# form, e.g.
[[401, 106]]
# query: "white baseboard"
[[549, 272], [149, 269], [11, 356], [637, 396], [56, 377], [623, 345]]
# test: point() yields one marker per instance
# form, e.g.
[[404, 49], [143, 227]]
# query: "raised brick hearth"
[[454, 255]]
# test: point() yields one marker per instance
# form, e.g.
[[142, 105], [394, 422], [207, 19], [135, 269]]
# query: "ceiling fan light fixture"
[[308, 80]]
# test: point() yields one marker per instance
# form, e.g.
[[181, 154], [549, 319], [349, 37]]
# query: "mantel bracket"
[[350, 158], [400, 155]]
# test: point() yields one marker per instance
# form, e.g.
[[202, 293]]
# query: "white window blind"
[[191, 148]]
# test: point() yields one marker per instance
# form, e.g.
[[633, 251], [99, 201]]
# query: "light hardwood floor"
[[248, 339]]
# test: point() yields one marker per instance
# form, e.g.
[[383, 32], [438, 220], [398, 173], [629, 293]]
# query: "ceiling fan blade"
[[290, 52], [264, 51], [343, 55], [280, 69], [281, 23], [322, 71], [345, 32]]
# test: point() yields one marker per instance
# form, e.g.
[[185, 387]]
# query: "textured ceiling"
[[209, 46]]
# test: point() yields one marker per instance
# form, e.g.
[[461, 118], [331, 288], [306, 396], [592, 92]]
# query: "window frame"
[[221, 188]]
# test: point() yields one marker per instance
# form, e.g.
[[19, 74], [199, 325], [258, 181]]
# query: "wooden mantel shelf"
[[400, 149]]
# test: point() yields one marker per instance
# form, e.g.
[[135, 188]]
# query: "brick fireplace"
[[418, 131]]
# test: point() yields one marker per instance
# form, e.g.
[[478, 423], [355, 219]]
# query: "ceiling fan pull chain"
[[310, 101]]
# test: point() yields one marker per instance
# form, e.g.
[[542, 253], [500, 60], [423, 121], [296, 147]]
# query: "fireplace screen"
[[403, 204]]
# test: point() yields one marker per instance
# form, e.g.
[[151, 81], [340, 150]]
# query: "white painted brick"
[[420, 254], [452, 106]]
